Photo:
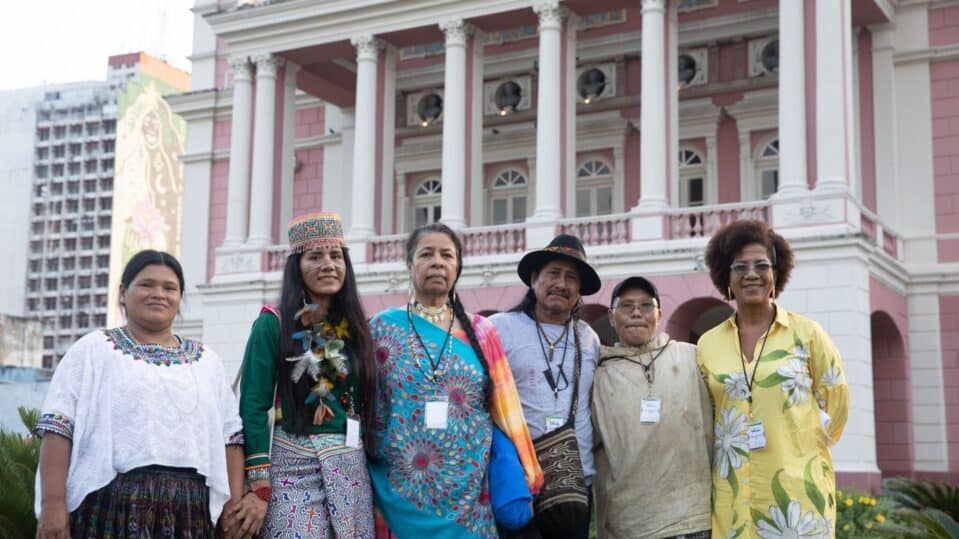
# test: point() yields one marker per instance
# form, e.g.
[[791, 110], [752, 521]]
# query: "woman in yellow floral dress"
[[779, 394]]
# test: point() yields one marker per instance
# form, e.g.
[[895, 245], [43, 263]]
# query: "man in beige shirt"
[[652, 420]]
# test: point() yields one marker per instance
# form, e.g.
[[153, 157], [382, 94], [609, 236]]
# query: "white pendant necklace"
[[435, 315]]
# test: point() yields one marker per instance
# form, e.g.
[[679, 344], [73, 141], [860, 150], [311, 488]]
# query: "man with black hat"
[[545, 341], [652, 418]]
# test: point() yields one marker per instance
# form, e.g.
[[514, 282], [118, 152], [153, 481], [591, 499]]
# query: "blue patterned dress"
[[428, 482]]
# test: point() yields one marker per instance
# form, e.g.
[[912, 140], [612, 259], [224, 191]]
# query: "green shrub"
[[19, 457], [859, 514], [923, 509]]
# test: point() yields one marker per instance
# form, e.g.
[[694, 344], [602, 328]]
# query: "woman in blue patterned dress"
[[442, 383]]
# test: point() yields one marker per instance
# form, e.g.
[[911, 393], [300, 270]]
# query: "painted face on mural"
[[151, 129]]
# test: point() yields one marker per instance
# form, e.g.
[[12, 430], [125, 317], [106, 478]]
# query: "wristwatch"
[[264, 493]]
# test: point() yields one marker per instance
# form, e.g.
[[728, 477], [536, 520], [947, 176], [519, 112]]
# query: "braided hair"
[[458, 310]]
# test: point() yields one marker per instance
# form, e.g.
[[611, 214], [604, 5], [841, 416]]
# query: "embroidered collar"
[[189, 350]]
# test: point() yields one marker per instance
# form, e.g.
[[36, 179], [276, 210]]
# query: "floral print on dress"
[[731, 445], [442, 472], [735, 386], [799, 387]]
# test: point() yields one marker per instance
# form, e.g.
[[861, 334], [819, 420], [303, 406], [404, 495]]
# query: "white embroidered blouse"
[[126, 405]]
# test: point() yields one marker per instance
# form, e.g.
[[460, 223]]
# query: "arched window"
[[767, 169], [426, 202], [594, 188], [508, 196], [692, 178]]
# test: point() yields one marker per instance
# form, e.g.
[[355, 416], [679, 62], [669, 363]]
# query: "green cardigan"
[[256, 392]]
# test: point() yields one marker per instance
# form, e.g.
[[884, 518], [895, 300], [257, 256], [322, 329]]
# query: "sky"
[[54, 41]]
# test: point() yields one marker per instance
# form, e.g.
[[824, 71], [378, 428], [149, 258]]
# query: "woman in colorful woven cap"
[[779, 394], [141, 435], [443, 386], [308, 475]]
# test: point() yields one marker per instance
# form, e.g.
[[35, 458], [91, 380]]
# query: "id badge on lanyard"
[[437, 412], [353, 431], [649, 411]]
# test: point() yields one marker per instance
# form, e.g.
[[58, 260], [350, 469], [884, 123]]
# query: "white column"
[[548, 160], [387, 109], [712, 171], [653, 99], [884, 114], [454, 125], [747, 189], [289, 139], [834, 120], [671, 84], [475, 112], [792, 99], [238, 189], [264, 142], [364, 144]]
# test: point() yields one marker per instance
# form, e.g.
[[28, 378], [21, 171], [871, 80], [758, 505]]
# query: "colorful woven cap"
[[313, 230]]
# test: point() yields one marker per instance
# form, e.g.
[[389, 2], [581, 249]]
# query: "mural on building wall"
[[148, 183]]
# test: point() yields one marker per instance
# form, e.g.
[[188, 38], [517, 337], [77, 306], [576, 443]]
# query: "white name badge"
[[437, 412], [757, 436], [554, 422], [353, 431], [649, 411]]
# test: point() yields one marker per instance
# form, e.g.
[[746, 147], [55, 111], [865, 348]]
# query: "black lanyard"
[[548, 373], [434, 365], [742, 355], [648, 371]]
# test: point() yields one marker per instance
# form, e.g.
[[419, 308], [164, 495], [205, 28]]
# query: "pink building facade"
[[640, 126]]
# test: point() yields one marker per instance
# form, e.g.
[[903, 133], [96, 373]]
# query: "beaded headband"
[[313, 230]]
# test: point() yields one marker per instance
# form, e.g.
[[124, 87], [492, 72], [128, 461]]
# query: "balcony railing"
[[703, 221], [605, 230], [674, 224]]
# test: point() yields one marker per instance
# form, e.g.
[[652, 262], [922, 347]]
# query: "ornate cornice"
[[456, 31], [367, 47], [550, 14], [242, 70], [266, 64]]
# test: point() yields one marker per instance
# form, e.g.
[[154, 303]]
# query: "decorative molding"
[[237, 261], [525, 83], [754, 55], [412, 100], [367, 47], [653, 5], [609, 71], [550, 14], [932, 54], [266, 65], [701, 57], [686, 6], [456, 32]]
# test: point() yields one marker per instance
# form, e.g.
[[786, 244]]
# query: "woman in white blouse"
[[141, 435]]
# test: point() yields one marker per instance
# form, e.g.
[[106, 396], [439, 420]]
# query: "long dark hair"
[[458, 310], [345, 305]]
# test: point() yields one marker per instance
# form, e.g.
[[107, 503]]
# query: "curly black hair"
[[729, 240]]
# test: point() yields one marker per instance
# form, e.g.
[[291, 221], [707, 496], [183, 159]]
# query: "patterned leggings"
[[321, 488]]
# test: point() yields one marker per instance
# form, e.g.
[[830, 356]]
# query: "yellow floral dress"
[[786, 489]]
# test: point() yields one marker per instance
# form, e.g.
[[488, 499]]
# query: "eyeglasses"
[[629, 307], [742, 268]]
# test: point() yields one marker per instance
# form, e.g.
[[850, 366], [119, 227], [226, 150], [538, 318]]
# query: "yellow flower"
[[869, 525], [848, 502], [880, 519], [845, 527]]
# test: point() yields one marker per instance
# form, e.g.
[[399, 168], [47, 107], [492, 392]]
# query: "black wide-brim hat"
[[563, 247]]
